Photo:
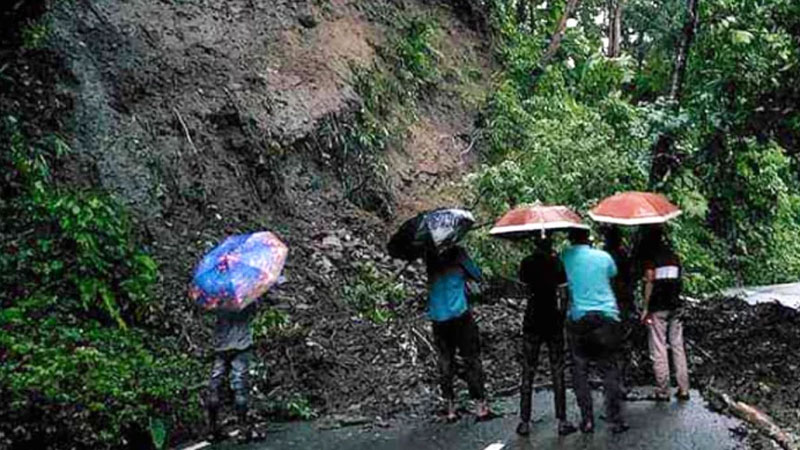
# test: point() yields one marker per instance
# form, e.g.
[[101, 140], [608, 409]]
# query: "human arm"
[[611, 268], [649, 276], [562, 288], [470, 268]]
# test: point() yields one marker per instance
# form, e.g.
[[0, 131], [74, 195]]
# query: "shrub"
[[374, 294], [77, 365]]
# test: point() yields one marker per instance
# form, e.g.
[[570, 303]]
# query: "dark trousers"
[[459, 334], [595, 338], [236, 363], [531, 343]]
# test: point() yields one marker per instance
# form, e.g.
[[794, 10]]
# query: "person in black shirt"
[[661, 312], [623, 286], [543, 324]]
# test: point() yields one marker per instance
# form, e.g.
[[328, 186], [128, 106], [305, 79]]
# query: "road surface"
[[785, 294], [654, 426]]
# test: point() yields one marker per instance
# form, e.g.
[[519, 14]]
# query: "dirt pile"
[[749, 352], [354, 370]]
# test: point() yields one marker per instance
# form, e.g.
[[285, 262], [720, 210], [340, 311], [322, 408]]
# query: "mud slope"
[[204, 118]]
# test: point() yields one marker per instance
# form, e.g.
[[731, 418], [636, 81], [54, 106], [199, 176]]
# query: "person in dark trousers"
[[544, 275], [454, 329], [661, 310], [233, 342], [593, 327], [623, 287], [622, 284]]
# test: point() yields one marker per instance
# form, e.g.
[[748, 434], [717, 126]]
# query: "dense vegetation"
[[84, 358], [584, 124]]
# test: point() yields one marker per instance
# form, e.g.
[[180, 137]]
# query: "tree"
[[558, 34], [664, 159]]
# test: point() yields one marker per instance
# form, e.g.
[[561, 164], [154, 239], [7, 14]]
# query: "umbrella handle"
[[482, 225]]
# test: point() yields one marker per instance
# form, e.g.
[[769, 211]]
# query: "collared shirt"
[[589, 273], [447, 278]]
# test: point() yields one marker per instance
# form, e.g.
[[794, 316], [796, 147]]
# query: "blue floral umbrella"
[[238, 271]]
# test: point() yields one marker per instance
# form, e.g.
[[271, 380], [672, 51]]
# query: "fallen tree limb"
[[758, 419]]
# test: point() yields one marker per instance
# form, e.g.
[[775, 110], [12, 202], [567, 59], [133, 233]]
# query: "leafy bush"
[[415, 57], [374, 294], [269, 321], [76, 365]]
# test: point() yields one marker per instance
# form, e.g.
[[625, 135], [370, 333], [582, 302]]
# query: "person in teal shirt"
[[589, 272], [593, 327], [453, 326]]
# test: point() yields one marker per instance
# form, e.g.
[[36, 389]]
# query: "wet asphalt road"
[[786, 294], [654, 425]]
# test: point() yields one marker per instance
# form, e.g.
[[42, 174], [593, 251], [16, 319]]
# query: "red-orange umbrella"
[[634, 208], [525, 220]]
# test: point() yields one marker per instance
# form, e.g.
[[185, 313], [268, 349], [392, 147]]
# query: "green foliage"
[[292, 406], [373, 293], [415, 57], [158, 433], [298, 407], [34, 34], [270, 321], [76, 291], [583, 127]]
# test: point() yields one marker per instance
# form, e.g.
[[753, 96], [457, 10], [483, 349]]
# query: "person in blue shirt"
[[453, 326], [593, 327]]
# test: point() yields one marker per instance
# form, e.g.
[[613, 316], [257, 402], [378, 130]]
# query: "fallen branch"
[[697, 348], [761, 421], [426, 341], [185, 130]]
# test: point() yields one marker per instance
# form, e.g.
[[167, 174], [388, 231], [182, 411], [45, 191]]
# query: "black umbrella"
[[430, 230]]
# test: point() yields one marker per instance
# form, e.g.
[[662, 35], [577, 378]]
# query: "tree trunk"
[[614, 27], [679, 72], [558, 35], [663, 158], [522, 12]]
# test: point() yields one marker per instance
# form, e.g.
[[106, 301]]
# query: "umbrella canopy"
[[238, 271], [526, 220], [430, 230], [635, 208]]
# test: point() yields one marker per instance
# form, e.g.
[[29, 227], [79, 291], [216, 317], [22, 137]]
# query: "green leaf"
[[741, 37], [158, 432]]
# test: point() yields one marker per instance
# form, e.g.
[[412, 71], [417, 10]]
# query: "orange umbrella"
[[524, 220], [635, 208]]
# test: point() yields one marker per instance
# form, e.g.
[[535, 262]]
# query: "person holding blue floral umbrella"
[[228, 282]]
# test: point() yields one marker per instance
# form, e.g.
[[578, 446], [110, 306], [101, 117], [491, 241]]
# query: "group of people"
[[587, 292], [584, 293]]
